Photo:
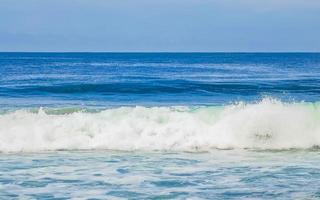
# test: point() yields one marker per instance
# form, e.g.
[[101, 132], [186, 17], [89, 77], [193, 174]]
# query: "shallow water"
[[219, 174]]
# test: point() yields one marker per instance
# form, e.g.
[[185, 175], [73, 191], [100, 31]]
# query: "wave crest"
[[269, 124]]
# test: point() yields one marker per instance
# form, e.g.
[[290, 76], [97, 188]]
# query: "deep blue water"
[[113, 79], [159, 125]]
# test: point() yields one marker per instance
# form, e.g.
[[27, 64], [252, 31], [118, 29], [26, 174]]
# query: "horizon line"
[[159, 52]]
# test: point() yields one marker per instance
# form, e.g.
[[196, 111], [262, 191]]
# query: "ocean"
[[159, 125]]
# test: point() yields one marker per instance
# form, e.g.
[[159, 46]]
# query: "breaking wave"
[[269, 124]]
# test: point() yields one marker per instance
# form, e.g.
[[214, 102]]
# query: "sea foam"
[[269, 124]]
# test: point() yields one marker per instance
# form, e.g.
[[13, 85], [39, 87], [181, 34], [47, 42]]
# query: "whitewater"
[[268, 124]]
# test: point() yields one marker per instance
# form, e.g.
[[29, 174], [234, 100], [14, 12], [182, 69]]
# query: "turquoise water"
[[161, 175], [159, 125]]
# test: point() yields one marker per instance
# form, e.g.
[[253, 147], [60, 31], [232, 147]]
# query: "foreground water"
[[159, 126], [161, 175]]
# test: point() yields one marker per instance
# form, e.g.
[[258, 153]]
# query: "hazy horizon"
[[159, 26]]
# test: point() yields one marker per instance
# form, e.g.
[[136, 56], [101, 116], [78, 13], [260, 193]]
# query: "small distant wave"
[[269, 124]]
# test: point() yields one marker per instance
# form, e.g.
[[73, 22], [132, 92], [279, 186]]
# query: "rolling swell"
[[176, 86], [269, 124]]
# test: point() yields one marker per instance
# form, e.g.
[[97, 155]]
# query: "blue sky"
[[160, 25]]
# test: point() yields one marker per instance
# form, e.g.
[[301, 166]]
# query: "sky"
[[160, 25]]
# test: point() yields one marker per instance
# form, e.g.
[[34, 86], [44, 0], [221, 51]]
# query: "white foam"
[[269, 124]]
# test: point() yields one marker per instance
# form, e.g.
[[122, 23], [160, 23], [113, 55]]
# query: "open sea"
[[159, 126]]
